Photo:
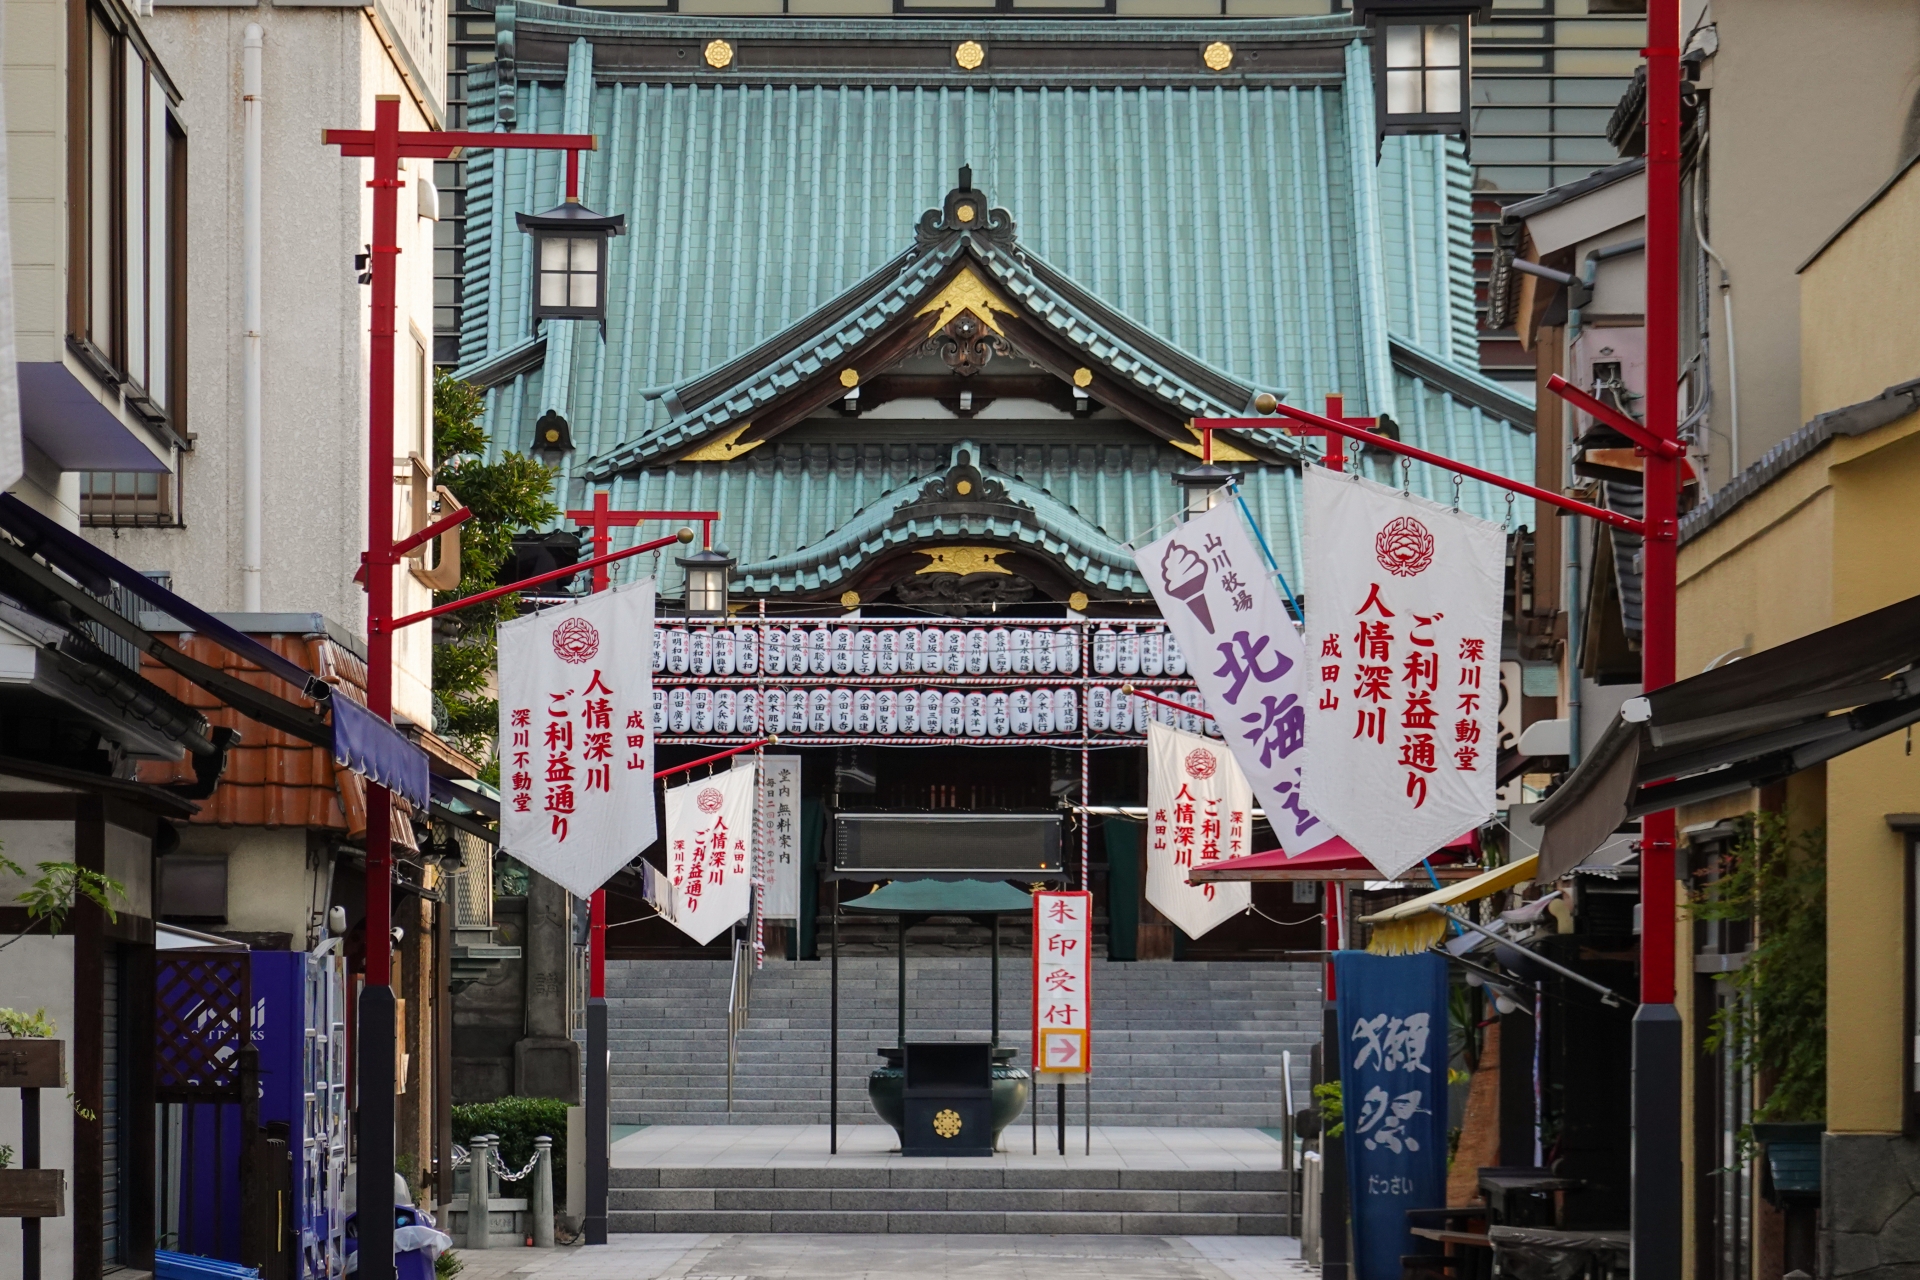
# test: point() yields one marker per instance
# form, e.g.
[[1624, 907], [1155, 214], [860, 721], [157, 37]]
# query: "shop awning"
[[1744, 725], [1415, 926], [359, 740], [943, 898], [1333, 860]]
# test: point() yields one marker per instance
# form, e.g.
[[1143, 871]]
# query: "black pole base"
[[593, 1226], [373, 1146], [1658, 1048]]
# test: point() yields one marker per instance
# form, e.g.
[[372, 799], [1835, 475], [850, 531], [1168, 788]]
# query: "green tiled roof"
[[1245, 224]]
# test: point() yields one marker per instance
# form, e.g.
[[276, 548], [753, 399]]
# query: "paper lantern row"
[[826, 649], [912, 713]]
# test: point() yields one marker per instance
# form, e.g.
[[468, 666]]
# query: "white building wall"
[[37, 973], [321, 68]]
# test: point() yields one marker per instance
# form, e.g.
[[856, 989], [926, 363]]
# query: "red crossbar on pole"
[[1165, 702], [442, 144], [769, 741], [1620, 422], [432, 531], [452, 606], [1601, 514]]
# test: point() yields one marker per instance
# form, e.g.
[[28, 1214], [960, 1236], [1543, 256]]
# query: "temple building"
[[923, 309]]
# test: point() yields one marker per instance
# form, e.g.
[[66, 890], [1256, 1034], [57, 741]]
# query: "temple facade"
[[924, 310]]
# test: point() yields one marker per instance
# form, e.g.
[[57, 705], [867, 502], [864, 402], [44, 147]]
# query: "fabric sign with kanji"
[[1062, 982], [780, 822], [1245, 653], [1403, 622], [576, 742], [1199, 810], [710, 853]]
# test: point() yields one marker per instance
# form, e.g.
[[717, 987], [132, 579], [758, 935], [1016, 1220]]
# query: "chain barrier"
[[462, 1158]]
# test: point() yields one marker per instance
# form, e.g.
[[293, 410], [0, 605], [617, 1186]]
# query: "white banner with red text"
[[710, 852], [1245, 653], [1062, 982], [1403, 622], [576, 747], [1199, 810]]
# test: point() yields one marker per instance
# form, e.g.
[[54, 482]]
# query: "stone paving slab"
[[782, 1147]]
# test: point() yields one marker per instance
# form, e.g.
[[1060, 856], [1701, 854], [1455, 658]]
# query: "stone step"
[[948, 1222]]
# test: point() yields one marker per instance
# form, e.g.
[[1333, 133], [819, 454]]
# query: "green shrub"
[[517, 1122]]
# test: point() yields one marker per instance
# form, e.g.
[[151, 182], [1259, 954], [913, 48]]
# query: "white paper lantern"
[[798, 704], [820, 650], [932, 713], [999, 651], [820, 711], [976, 711], [746, 650], [700, 652], [953, 648], [886, 657], [702, 717], [863, 711], [1020, 712], [1020, 651], [1127, 653], [886, 712], [773, 651], [723, 651], [1066, 650], [909, 645], [659, 721], [746, 713], [1044, 643], [1191, 722], [723, 718], [999, 715], [843, 711], [679, 703], [1099, 709], [866, 652], [659, 649], [1119, 713], [1175, 661], [797, 646], [1066, 711], [1151, 654], [1043, 711], [842, 651], [953, 715], [677, 651], [977, 652], [909, 712]]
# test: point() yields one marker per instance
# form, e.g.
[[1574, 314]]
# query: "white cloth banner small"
[[1405, 628], [1218, 597], [710, 853], [576, 746], [1199, 810], [780, 820]]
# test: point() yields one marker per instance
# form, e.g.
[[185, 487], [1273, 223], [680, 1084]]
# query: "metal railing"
[[738, 995], [472, 883]]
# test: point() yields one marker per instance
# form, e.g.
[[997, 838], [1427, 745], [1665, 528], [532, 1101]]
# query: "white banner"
[[1405, 627], [1214, 589], [1062, 982], [576, 748], [1199, 810], [780, 818], [710, 853]]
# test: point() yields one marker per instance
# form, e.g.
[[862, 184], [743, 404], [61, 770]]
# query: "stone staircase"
[[997, 1200], [1185, 1044]]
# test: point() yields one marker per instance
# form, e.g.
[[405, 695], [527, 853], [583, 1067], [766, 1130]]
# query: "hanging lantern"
[[1422, 64], [570, 260], [707, 581], [1203, 486]]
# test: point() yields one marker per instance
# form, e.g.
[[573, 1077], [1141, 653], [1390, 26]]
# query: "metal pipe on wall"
[[252, 501]]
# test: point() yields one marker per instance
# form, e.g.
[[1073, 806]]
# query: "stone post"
[[479, 1187], [541, 1201]]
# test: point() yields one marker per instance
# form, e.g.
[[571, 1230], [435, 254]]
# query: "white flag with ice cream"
[[710, 852], [576, 748], [1219, 599], [1403, 621], [1199, 810]]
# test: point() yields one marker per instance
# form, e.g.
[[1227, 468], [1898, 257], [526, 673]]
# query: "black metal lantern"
[[707, 572], [1203, 486], [570, 260], [1422, 63]]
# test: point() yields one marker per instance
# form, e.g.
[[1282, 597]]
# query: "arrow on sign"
[[1065, 1050]]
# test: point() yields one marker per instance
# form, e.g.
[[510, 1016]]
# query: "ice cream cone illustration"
[[1184, 573]]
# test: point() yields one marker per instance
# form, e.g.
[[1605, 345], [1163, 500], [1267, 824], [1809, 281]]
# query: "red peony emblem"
[[1404, 547], [576, 640], [710, 800], [1201, 763]]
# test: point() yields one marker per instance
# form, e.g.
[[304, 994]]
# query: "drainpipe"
[[252, 502]]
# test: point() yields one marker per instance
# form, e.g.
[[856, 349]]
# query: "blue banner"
[[1393, 1088]]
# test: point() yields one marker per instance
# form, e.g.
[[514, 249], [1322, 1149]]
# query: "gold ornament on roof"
[[1083, 377], [963, 560], [719, 54], [964, 212], [1218, 56], [849, 378], [969, 55], [1077, 602], [966, 292], [724, 448], [849, 599], [946, 1122]]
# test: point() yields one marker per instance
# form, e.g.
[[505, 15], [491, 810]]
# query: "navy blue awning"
[[362, 741]]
